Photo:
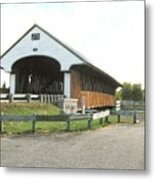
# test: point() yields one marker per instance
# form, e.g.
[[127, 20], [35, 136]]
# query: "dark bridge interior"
[[38, 74]]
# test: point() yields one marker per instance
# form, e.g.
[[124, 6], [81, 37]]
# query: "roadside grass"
[[14, 128]]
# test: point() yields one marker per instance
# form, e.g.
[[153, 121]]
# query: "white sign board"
[[101, 114], [70, 106]]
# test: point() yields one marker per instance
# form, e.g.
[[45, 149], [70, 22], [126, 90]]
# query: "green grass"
[[13, 128], [29, 109]]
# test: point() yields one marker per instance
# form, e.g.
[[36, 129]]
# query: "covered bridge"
[[39, 63]]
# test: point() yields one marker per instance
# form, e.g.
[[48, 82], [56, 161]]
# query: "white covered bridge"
[[39, 63]]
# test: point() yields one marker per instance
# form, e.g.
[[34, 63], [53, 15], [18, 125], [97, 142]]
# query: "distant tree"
[[127, 91], [137, 93], [131, 92]]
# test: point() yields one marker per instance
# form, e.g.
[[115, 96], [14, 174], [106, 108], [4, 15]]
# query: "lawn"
[[11, 127]]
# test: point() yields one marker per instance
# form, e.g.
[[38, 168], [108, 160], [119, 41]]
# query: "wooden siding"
[[95, 99], [92, 99], [75, 85]]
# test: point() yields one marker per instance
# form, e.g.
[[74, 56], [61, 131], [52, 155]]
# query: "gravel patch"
[[119, 146]]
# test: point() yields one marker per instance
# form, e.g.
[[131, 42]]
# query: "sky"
[[109, 34]]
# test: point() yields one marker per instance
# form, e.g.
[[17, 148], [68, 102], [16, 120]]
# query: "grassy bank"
[[45, 127], [29, 108]]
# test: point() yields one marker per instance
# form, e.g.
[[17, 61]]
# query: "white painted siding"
[[67, 84], [12, 83], [46, 47]]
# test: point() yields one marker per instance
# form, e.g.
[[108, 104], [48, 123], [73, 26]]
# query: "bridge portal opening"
[[38, 75]]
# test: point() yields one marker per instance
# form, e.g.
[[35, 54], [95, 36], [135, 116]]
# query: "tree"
[[130, 92], [127, 91], [137, 93]]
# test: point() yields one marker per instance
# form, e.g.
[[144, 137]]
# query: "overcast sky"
[[109, 34]]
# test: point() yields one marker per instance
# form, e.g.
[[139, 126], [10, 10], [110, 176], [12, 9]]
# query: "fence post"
[[107, 119], [41, 98], [68, 125], [10, 98], [90, 123], [101, 121], [44, 98], [28, 98], [134, 118], [33, 122], [48, 98], [1, 128], [51, 98], [118, 118]]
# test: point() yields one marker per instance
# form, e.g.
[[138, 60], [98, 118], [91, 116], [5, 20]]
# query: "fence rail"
[[44, 98]]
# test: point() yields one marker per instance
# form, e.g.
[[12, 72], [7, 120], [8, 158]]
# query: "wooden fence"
[[55, 118], [101, 116], [132, 105], [44, 98], [127, 113]]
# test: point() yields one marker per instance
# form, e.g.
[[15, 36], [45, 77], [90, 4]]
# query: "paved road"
[[114, 147]]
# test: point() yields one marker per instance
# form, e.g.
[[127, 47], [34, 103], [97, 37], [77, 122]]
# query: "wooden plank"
[[79, 117], [125, 113], [101, 114], [17, 117], [51, 117]]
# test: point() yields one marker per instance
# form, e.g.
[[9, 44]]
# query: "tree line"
[[131, 92]]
